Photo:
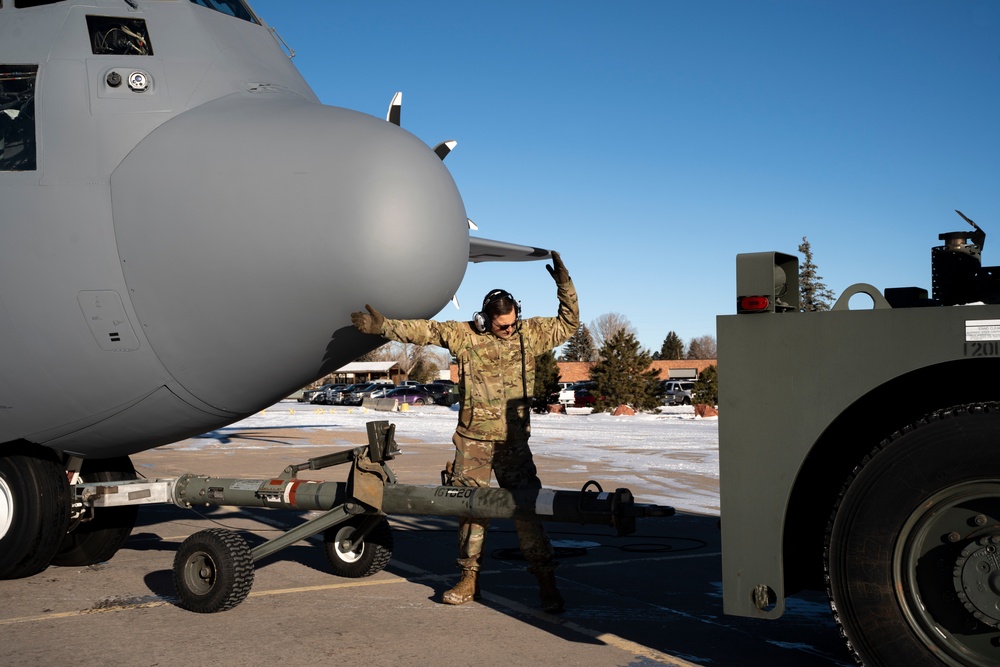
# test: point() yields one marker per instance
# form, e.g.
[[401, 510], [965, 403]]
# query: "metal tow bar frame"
[[213, 569]]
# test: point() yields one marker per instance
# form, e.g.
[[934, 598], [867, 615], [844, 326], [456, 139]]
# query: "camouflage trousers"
[[510, 460]]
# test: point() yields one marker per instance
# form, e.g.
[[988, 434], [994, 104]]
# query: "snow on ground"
[[675, 454]]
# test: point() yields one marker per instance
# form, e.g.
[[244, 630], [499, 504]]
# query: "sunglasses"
[[505, 327]]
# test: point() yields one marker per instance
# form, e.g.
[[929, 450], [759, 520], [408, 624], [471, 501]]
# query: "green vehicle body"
[[806, 397]]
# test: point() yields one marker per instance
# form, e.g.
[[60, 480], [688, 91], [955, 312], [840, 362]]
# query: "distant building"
[[365, 371], [575, 371]]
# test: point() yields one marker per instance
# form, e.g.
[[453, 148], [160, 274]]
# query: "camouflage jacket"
[[491, 384]]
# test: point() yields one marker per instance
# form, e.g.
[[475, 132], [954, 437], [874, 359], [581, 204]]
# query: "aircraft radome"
[[184, 231]]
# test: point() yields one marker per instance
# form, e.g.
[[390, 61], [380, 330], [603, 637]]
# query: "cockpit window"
[[17, 117], [33, 3], [235, 8]]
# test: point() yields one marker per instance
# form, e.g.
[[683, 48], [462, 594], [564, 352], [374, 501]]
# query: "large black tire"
[[213, 571], [912, 549], [371, 556], [99, 539], [34, 510]]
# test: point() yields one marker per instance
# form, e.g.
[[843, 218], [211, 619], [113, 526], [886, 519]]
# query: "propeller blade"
[[445, 147], [473, 226], [454, 300], [395, 109]]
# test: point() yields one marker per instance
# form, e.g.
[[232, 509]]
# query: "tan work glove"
[[558, 269], [370, 322]]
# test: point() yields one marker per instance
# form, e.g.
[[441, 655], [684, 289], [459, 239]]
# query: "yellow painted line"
[[160, 603], [328, 587], [633, 648], [605, 637], [81, 612]]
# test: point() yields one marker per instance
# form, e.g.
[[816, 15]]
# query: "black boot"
[[552, 602]]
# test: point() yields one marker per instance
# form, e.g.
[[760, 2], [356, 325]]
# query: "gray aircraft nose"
[[249, 228]]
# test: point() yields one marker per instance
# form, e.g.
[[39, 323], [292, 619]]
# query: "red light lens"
[[752, 304]]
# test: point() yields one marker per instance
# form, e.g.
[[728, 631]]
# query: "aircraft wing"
[[486, 250]]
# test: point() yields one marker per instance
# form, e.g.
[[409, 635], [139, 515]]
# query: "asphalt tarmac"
[[650, 598]]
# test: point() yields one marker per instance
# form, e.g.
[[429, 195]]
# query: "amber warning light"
[[752, 304]]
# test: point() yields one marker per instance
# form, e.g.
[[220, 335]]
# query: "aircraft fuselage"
[[185, 228]]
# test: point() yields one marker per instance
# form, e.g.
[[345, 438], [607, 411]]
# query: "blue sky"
[[650, 141]]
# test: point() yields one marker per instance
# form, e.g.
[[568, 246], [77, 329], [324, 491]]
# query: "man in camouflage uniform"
[[496, 355]]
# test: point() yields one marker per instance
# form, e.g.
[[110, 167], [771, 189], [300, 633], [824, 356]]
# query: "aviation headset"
[[481, 320], [481, 323]]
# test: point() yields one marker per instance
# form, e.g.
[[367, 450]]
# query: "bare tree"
[[411, 360], [434, 360], [607, 325], [381, 353], [703, 347], [418, 362]]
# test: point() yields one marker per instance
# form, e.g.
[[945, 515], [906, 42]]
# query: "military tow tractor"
[[860, 453], [214, 569]]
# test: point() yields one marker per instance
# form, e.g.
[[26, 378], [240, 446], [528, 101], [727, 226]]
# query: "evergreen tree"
[[706, 387], [672, 348], [546, 380], [623, 375], [813, 292], [580, 347]]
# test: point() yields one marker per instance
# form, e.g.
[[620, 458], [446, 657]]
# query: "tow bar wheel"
[[360, 560], [213, 571]]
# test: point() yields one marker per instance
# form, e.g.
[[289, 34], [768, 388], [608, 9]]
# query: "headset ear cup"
[[481, 322]]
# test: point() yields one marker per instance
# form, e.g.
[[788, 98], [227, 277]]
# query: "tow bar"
[[213, 569]]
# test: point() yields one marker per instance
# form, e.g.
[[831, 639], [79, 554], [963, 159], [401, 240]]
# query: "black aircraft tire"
[[213, 571], [34, 510], [99, 539], [911, 557], [372, 555]]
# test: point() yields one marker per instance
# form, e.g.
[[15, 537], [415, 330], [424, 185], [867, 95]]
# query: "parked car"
[[309, 394], [325, 395], [444, 394], [369, 390], [336, 395], [568, 395], [553, 398], [414, 395], [584, 397], [677, 392]]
